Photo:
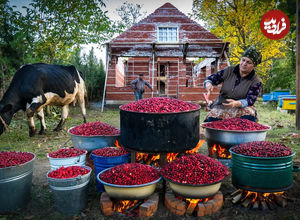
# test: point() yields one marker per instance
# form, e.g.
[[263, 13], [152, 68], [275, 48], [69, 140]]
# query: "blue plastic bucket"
[[102, 163]]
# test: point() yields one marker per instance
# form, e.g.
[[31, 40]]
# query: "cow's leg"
[[41, 117], [81, 102], [36, 103], [64, 115], [31, 126]]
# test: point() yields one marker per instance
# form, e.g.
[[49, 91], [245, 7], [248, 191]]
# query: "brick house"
[[161, 47]]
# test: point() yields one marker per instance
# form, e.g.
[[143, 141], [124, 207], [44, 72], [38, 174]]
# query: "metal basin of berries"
[[230, 137], [194, 176], [262, 166], [194, 191], [89, 141], [128, 192]]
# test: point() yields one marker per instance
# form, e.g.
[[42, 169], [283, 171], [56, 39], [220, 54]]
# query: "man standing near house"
[[138, 85]]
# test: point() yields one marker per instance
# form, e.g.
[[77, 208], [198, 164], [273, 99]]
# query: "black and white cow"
[[37, 85]]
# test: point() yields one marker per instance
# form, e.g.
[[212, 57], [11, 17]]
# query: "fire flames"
[[123, 205], [195, 150], [117, 144], [259, 196], [220, 151], [194, 202], [153, 158]]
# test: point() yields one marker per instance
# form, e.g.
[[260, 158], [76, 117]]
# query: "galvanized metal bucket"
[[70, 195], [102, 163], [15, 186], [91, 143], [262, 174], [56, 163]]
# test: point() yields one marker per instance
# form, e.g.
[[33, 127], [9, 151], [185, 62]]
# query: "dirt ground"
[[41, 205]]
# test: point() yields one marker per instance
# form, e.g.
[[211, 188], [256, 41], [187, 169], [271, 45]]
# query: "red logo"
[[274, 24]]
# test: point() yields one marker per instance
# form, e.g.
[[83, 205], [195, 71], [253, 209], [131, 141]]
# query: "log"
[[264, 205], [247, 202], [270, 204], [236, 192], [255, 205], [237, 198], [130, 209], [280, 200], [191, 207]]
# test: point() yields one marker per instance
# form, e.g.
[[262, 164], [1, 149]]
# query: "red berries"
[[130, 174], [68, 172], [195, 169], [67, 152], [13, 158], [160, 105], [235, 124], [110, 151], [262, 149], [95, 128]]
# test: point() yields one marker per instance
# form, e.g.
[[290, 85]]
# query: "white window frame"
[[166, 26]]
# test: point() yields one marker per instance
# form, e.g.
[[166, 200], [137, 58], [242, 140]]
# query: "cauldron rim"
[[236, 131], [161, 113]]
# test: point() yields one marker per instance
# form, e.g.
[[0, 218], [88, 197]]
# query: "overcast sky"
[[149, 6]]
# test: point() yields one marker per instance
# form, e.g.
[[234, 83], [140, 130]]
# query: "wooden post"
[[298, 69], [107, 63]]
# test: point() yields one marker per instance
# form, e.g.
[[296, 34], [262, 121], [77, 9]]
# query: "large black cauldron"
[[160, 132]]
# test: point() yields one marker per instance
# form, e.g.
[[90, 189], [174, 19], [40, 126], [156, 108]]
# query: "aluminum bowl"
[[128, 192], [191, 191], [231, 138], [94, 142]]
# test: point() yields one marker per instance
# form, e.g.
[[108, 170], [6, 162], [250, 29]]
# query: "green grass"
[[16, 138]]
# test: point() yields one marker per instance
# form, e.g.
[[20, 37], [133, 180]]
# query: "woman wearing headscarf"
[[240, 89]]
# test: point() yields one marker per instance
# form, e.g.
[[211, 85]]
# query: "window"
[[167, 34]]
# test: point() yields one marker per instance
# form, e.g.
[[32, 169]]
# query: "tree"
[[13, 49], [93, 72], [283, 72], [239, 23], [60, 25], [130, 14]]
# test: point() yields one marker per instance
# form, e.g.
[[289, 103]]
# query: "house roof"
[[193, 39]]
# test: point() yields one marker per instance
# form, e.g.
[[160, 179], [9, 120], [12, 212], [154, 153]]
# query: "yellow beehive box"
[[289, 104]]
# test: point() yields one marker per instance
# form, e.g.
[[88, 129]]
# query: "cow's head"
[[6, 114]]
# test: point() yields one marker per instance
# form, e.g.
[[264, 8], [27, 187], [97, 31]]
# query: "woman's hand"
[[230, 103]]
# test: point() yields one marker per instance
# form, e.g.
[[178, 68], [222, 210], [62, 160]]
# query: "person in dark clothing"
[[240, 89], [138, 85]]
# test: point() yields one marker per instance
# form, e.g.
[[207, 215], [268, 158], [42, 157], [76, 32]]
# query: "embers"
[[154, 159], [129, 208], [259, 200], [217, 151]]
